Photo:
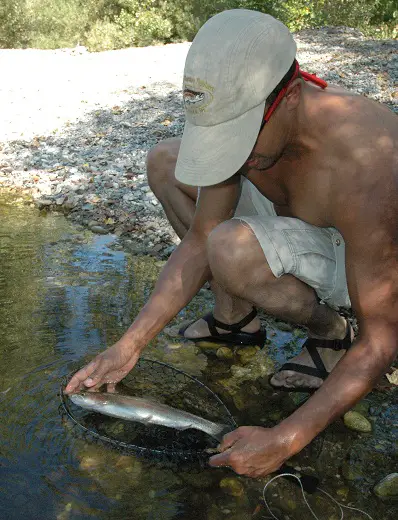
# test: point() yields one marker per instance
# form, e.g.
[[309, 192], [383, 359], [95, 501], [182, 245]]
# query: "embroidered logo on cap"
[[197, 95], [191, 97]]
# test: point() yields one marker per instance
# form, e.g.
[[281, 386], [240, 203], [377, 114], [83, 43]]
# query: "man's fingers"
[[229, 440], [111, 388], [97, 377], [222, 459], [77, 380]]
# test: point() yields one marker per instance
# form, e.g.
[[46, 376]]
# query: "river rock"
[[43, 203], [99, 230], [129, 465], [224, 353], [357, 422], [388, 487], [232, 486], [246, 354]]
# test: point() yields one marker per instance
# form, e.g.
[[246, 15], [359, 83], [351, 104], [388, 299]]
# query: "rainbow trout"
[[147, 412]]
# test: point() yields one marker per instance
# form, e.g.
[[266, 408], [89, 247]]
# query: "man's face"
[[268, 149]]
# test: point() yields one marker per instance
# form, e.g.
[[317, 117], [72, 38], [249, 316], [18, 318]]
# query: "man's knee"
[[234, 250], [160, 163]]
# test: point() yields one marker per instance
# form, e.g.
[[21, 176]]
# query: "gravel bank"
[[76, 127]]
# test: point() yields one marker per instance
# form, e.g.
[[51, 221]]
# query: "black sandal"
[[236, 336], [311, 344]]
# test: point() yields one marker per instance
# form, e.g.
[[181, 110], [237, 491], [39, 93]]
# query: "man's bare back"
[[342, 157]]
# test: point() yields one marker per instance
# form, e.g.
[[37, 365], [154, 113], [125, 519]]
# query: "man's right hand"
[[109, 367]]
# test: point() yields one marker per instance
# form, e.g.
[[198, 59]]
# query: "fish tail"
[[219, 430]]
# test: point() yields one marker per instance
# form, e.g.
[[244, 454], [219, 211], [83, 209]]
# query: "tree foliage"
[[112, 24]]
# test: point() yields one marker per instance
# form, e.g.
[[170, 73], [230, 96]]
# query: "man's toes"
[[198, 329], [290, 379], [279, 378], [299, 381]]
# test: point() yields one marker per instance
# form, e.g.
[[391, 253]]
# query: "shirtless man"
[[327, 159]]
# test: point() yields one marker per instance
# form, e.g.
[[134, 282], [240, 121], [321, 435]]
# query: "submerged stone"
[[246, 354], [129, 465], [388, 487], [224, 353], [357, 422], [232, 486]]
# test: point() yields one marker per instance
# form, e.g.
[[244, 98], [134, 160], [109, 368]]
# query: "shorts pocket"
[[315, 240]]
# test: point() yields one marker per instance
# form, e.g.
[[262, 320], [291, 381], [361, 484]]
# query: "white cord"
[[345, 507], [340, 506]]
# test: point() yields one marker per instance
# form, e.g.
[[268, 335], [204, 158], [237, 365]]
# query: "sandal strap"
[[311, 344], [210, 320], [335, 344], [235, 327]]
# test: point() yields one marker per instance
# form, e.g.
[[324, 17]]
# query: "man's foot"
[[309, 369], [247, 331]]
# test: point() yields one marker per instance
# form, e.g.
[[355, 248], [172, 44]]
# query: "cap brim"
[[211, 154]]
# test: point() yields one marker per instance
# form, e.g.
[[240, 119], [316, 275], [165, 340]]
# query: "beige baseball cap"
[[235, 61]]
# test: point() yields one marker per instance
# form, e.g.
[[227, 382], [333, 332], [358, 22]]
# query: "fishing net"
[[165, 384]]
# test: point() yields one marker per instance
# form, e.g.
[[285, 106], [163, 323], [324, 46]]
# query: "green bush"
[[105, 35], [152, 27], [13, 26], [112, 24]]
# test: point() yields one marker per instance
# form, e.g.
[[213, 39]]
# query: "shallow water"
[[65, 295]]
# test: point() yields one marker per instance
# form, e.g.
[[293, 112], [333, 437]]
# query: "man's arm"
[[373, 285], [181, 278], [369, 226], [188, 267]]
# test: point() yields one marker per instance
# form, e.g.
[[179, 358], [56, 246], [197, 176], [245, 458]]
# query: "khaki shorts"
[[312, 254]]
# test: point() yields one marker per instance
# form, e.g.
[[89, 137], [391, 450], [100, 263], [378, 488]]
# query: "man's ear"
[[293, 95]]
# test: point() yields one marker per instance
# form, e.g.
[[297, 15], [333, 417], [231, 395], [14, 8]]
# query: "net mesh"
[[165, 384]]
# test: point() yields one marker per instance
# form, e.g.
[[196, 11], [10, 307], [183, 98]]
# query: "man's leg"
[[179, 201], [249, 277]]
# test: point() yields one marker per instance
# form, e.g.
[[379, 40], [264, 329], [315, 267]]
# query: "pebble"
[[232, 486], [224, 353], [357, 422], [388, 487], [246, 354], [99, 230]]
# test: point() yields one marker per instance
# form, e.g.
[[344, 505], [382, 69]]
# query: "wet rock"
[[129, 465], [188, 357], [114, 428], [90, 463], [343, 492], [357, 422], [246, 354], [232, 486], [285, 327], [224, 353], [202, 480], [43, 203], [260, 365], [351, 471], [388, 487], [393, 377], [99, 230], [362, 407]]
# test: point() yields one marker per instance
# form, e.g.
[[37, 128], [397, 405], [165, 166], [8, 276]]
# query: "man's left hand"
[[253, 451]]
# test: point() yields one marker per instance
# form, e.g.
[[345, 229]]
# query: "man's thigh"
[[312, 254]]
